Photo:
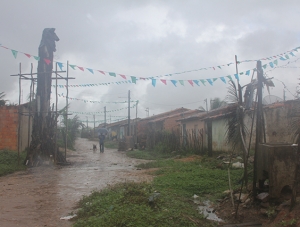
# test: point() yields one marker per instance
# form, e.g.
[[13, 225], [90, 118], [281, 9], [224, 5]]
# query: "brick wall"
[[9, 127]]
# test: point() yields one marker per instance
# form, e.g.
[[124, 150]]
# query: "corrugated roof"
[[174, 115]]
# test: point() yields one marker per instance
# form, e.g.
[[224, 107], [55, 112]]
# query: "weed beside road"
[[9, 162], [167, 201]]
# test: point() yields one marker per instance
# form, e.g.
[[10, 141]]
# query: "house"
[[10, 124]]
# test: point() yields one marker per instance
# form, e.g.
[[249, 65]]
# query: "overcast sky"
[[148, 39]]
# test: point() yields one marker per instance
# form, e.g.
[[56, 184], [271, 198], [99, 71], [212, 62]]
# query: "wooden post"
[[128, 129], [67, 108], [258, 122], [30, 99], [19, 115], [56, 100]]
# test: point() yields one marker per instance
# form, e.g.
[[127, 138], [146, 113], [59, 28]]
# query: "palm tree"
[[216, 103]]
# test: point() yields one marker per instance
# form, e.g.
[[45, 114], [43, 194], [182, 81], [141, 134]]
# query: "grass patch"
[[148, 155], [132, 204], [176, 181], [9, 162], [111, 144]]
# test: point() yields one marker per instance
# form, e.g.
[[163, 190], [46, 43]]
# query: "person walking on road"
[[101, 142]]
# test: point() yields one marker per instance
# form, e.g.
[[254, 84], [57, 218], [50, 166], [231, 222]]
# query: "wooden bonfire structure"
[[43, 137]]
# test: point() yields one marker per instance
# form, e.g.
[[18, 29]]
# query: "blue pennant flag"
[[153, 82], [237, 76], [209, 81], [92, 71], [174, 82], [282, 58], [248, 72], [223, 79], [60, 65], [196, 82], [271, 64]]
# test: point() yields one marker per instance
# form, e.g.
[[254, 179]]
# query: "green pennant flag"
[[112, 74], [133, 78], [276, 62], [15, 53], [264, 66], [219, 67], [214, 79], [203, 82], [36, 58], [72, 66], [230, 78], [181, 82]]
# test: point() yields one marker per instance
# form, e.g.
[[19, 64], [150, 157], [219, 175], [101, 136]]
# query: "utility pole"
[[258, 121], [205, 100], [104, 116], [94, 127], [147, 111], [87, 122], [128, 130], [284, 94], [135, 125]]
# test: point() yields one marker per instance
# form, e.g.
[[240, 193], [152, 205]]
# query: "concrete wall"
[[9, 123], [219, 127]]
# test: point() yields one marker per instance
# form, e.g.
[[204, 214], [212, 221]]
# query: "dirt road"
[[41, 196]]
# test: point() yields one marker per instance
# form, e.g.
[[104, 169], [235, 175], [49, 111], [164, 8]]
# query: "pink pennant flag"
[[191, 82], [81, 68], [47, 61], [4, 47], [214, 68], [123, 76], [101, 72], [164, 81], [28, 55]]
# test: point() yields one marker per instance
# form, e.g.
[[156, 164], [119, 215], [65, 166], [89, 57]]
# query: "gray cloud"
[[149, 38]]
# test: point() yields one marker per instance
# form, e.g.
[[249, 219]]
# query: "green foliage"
[[9, 162], [216, 103], [73, 131], [138, 205], [2, 101], [164, 202], [112, 144]]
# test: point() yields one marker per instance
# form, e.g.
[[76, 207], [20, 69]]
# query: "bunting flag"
[[203, 82], [81, 68], [112, 74], [181, 82], [210, 82], [60, 65], [191, 83], [133, 79], [164, 81], [28, 55], [248, 72], [174, 82], [196, 82], [223, 79], [91, 70], [47, 61], [92, 101], [237, 76], [15, 53], [123, 76], [153, 82]]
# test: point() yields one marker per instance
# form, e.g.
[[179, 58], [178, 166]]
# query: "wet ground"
[[41, 196]]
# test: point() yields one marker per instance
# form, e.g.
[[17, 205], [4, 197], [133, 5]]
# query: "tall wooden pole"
[[19, 115], [56, 100], [67, 108], [128, 129], [104, 116], [30, 106], [258, 122]]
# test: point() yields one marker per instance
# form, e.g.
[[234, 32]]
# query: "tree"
[[2, 101], [216, 103]]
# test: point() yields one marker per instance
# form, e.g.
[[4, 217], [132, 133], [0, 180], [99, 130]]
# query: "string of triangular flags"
[[272, 64], [100, 112], [92, 101], [283, 56], [102, 121]]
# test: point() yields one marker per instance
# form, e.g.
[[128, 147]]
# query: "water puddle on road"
[[208, 211]]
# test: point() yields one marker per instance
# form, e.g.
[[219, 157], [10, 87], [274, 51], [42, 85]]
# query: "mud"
[[41, 196]]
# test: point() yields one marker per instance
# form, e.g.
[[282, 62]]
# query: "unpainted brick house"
[[9, 126]]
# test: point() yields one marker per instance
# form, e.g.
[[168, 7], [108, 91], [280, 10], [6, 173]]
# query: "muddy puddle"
[[41, 196]]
